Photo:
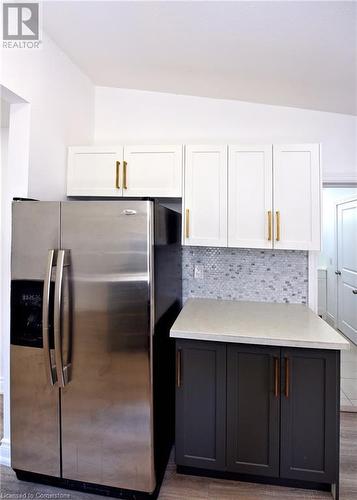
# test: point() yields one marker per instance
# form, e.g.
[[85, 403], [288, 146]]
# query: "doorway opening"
[[337, 279]]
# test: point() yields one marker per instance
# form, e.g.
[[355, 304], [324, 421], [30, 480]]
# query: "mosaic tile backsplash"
[[245, 274]]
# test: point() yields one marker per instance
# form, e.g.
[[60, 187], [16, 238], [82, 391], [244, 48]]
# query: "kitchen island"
[[258, 393]]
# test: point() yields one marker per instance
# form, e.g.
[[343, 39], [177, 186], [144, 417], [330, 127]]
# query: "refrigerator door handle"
[[50, 370], [62, 372]]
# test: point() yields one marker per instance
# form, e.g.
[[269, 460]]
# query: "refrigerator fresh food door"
[[35, 439], [107, 416]]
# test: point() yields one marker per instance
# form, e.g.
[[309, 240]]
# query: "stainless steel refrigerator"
[[95, 288]]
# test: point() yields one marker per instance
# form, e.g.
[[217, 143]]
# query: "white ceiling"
[[286, 53]]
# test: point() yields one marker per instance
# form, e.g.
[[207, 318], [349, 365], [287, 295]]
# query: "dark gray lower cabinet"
[[263, 411], [253, 409], [310, 415], [201, 404]]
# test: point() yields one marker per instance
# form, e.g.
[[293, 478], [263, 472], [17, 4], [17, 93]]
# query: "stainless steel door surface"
[[35, 439], [107, 435]]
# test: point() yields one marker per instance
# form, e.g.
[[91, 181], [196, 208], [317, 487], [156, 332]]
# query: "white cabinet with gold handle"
[[139, 171], [297, 192], [152, 170], [279, 180], [94, 171], [205, 196], [250, 196]]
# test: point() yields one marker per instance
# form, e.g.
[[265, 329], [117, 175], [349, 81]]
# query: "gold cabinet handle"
[[277, 225], [117, 173], [124, 175], [270, 225], [187, 223], [287, 377], [276, 377], [178, 368]]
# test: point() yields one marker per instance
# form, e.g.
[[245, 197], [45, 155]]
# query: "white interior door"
[[95, 171], [205, 196], [296, 192], [153, 171], [250, 196], [347, 266]]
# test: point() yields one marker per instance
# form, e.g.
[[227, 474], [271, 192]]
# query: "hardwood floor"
[[349, 379], [180, 487]]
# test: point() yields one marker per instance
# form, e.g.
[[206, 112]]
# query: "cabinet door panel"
[[297, 196], [205, 199], [93, 171], [250, 196], [200, 405], [153, 171], [310, 415], [252, 410]]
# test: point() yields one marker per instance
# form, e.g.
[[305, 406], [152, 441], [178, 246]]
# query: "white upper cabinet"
[[153, 171], [250, 196], [125, 171], [264, 196], [205, 196], [297, 196], [94, 171]]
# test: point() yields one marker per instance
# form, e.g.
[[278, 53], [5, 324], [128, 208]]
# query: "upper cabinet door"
[[250, 197], [205, 196], [297, 196], [153, 171], [95, 171]]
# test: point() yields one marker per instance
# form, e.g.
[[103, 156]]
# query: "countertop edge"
[[237, 339]]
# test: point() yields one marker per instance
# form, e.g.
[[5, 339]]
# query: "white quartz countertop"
[[264, 323]]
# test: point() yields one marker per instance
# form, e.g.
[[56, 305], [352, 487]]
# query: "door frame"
[[16, 171], [337, 291], [313, 259]]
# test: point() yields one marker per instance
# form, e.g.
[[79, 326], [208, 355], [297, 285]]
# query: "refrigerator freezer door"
[[107, 428], [35, 439]]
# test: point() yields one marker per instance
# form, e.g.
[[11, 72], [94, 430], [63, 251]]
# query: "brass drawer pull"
[[125, 186], [117, 173], [187, 223], [276, 377], [178, 368], [278, 226], [287, 377], [270, 226]]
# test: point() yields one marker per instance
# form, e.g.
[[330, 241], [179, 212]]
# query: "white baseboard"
[[5, 452], [1, 385]]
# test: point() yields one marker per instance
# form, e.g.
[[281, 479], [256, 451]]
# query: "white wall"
[[129, 116], [58, 111], [62, 111], [4, 138], [14, 182], [328, 255]]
